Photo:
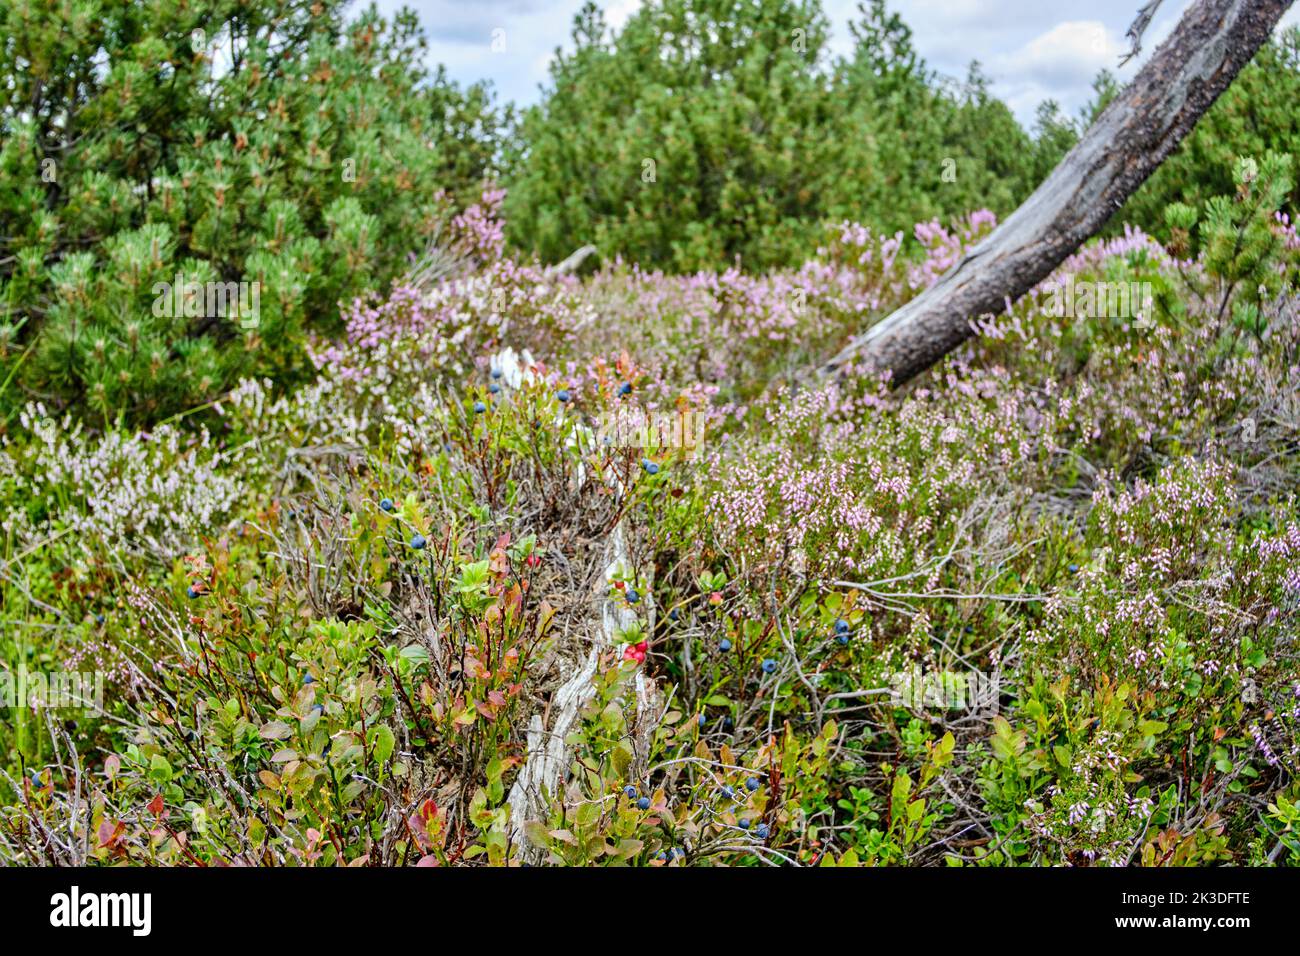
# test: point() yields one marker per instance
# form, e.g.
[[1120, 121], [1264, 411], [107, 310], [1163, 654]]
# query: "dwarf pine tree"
[[910, 145], [222, 142], [708, 129], [690, 138]]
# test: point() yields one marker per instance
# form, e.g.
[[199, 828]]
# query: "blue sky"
[[1032, 49]]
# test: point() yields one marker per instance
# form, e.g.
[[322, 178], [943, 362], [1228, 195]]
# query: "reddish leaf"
[[429, 810], [109, 832]]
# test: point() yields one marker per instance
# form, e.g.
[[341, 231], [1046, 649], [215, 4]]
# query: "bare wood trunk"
[[1133, 135]]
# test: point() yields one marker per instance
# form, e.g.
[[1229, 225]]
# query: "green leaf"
[[415, 653], [382, 743], [352, 791], [628, 848], [621, 758], [495, 790], [159, 769], [275, 730], [537, 834]]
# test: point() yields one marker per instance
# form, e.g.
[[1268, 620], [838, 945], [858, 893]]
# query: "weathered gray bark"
[[1133, 135], [575, 260]]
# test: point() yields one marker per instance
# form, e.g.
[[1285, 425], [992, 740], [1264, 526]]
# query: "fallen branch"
[[542, 776], [1132, 136], [574, 261], [1139, 27]]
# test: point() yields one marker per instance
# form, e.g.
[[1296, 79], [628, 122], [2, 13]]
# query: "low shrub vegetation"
[[554, 570]]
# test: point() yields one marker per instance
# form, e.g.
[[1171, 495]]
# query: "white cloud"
[[1059, 64], [1070, 53]]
